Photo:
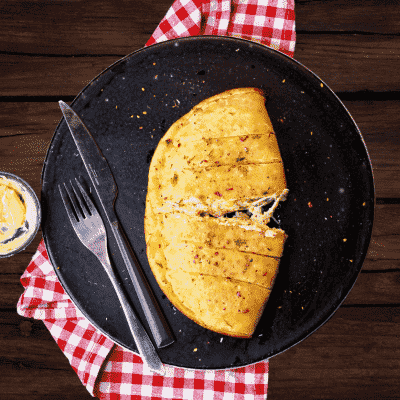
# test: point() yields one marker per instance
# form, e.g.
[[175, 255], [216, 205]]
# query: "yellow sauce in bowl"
[[19, 214], [12, 212]]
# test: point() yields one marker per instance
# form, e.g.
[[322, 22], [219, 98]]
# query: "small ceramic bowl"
[[16, 198]]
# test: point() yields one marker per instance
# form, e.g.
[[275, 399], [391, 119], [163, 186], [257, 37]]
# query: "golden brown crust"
[[220, 157]]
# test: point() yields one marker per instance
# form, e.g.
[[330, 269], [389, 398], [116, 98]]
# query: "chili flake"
[[218, 194]]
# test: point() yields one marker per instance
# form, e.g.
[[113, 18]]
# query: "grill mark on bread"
[[223, 277], [239, 163], [218, 138]]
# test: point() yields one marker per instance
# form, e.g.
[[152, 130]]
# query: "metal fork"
[[90, 229]]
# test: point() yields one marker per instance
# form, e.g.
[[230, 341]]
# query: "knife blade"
[[104, 183]]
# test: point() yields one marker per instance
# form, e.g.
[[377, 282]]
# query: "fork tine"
[[72, 200], [87, 199], [67, 204], [83, 209]]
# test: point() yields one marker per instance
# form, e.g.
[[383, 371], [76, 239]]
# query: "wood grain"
[[355, 355], [78, 27], [49, 76], [365, 63], [362, 62], [33, 363], [49, 50], [362, 16]]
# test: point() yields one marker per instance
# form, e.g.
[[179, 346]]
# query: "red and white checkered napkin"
[[270, 22], [107, 370], [123, 376]]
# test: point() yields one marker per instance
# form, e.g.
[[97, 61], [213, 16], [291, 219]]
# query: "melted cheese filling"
[[257, 221]]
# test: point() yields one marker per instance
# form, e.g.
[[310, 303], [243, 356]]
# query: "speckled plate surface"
[[328, 214]]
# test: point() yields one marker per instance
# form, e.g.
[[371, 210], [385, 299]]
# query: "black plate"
[[328, 215]]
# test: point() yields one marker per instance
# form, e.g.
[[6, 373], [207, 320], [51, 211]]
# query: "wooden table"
[[49, 50]]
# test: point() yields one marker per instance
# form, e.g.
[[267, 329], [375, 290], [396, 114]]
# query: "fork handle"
[[158, 325], [142, 340]]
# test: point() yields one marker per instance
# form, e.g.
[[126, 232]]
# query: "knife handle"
[[142, 340], [158, 325]]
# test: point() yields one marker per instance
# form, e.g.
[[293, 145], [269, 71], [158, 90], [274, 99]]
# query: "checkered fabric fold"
[[270, 22], [104, 368]]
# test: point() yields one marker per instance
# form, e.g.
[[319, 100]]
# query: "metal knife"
[[103, 181]]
